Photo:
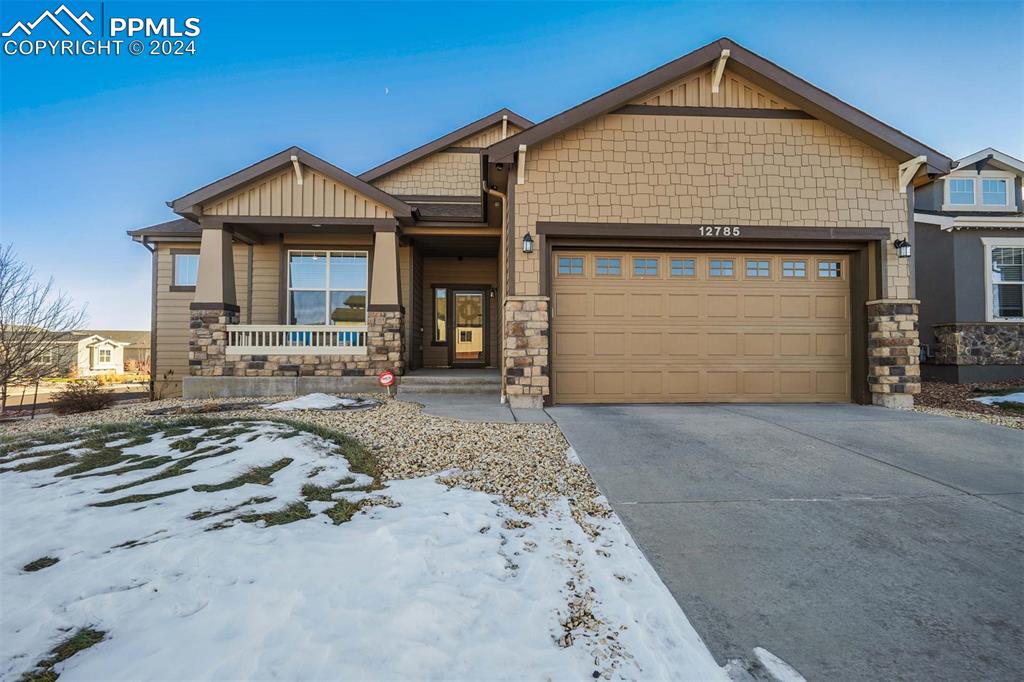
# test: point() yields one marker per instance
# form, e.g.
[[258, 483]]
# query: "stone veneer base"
[[525, 351], [894, 351]]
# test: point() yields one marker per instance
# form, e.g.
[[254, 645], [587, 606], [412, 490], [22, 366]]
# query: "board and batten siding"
[[280, 195], [695, 91]]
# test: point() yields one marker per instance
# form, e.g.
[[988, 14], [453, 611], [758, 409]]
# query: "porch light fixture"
[[902, 248], [527, 243]]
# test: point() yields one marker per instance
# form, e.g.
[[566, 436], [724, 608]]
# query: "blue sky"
[[92, 146]]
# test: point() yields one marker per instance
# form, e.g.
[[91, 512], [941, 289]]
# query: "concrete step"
[[452, 389], [432, 380]]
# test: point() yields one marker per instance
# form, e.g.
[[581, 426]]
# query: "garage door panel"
[[699, 338]]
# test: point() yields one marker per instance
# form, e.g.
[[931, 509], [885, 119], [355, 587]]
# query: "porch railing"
[[288, 339]]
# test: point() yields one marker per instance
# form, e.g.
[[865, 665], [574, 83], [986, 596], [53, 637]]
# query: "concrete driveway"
[[855, 543]]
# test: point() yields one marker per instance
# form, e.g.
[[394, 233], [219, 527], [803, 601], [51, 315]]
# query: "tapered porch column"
[[385, 319], [215, 305]]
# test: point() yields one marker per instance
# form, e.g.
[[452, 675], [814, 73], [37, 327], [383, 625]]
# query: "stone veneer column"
[[894, 370], [526, 351], [384, 330], [208, 337]]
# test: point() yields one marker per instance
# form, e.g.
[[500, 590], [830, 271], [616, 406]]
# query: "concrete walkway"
[[472, 407], [855, 543]]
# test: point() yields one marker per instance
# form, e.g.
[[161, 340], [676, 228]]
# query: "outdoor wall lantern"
[[527, 243], [902, 248]]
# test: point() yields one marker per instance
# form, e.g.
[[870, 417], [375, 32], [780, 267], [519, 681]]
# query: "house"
[[136, 350], [969, 238], [86, 354], [714, 230]]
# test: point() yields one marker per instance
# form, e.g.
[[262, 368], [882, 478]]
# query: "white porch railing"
[[288, 339]]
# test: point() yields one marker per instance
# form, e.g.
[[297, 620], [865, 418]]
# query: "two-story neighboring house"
[[715, 230], [969, 268]]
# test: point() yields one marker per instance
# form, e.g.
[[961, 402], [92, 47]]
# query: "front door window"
[[469, 327]]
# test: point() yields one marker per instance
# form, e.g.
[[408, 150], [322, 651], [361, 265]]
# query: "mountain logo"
[[78, 20]]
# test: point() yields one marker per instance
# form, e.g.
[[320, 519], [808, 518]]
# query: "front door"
[[468, 332]]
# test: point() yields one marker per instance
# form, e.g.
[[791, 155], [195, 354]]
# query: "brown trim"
[[282, 281], [234, 221], [445, 141], [152, 324], [510, 232], [859, 294], [433, 321], [248, 286], [728, 112], [385, 227], [463, 150], [174, 266], [230, 307], [485, 291], [758, 70], [185, 205], [451, 231], [689, 231], [439, 198], [384, 308]]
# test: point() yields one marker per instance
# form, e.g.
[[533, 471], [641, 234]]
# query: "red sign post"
[[386, 379]]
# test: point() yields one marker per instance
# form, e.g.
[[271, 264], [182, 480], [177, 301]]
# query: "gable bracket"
[[716, 78], [908, 169], [298, 169], [521, 165]]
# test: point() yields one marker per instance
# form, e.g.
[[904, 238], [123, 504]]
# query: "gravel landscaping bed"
[[957, 397], [525, 464], [998, 419]]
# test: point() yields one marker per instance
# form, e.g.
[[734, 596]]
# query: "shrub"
[[82, 396]]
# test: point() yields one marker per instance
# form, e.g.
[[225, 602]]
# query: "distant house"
[[94, 352], [969, 270]]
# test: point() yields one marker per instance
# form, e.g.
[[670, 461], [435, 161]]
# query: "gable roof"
[[184, 205], [988, 153], [759, 71], [181, 227], [132, 337], [441, 143]]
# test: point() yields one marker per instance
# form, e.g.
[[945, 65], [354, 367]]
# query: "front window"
[[829, 269], [1007, 270], [186, 269], [993, 193], [327, 288], [105, 355], [440, 315], [684, 267], [794, 268], [961, 191], [757, 268]]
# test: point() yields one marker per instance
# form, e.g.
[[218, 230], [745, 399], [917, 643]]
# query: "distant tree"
[[34, 316]]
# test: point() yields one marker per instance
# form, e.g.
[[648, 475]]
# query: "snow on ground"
[[444, 586], [314, 401], [1008, 398]]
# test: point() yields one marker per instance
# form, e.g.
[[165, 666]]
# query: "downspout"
[[152, 321], [501, 279]]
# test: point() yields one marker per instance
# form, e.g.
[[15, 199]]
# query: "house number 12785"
[[719, 231]]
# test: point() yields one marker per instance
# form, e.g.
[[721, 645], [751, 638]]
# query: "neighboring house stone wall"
[[979, 343]]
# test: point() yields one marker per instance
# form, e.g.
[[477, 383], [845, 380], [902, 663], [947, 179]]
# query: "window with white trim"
[[1006, 277], [327, 287], [186, 269], [105, 355], [961, 191], [993, 191]]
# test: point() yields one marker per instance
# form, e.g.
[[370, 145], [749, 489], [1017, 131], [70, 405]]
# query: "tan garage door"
[[700, 327]]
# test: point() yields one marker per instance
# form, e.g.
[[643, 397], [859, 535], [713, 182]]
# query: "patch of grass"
[[48, 462], [186, 444], [257, 475], [1012, 406], [359, 458], [343, 510], [177, 468], [80, 641], [207, 513], [225, 432], [132, 499], [290, 513], [147, 462], [96, 459], [39, 564], [317, 493]]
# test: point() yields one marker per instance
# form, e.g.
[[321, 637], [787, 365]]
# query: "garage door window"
[[758, 268], [720, 267], [684, 267], [794, 268], [609, 266], [829, 269], [645, 267], [570, 265]]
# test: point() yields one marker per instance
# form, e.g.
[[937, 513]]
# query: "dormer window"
[[993, 192], [961, 191]]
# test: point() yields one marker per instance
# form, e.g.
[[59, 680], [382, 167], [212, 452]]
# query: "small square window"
[[757, 268], [993, 192], [684, 267], [105, 355], [609, 266], [961, 191], [186, 269], [720, 268], [794, 268], [645, 267], [570, 265], [828, 269]]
